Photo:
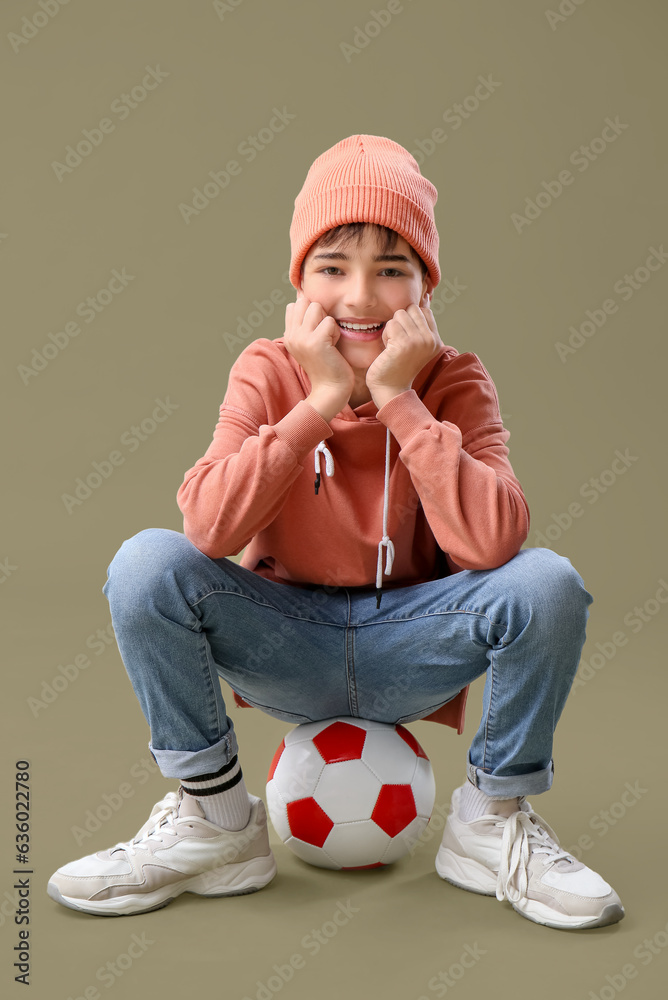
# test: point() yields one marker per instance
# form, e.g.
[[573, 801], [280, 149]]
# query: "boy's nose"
[[358, 294]]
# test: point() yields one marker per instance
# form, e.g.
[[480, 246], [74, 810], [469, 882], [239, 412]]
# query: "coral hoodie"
[[424, 481]]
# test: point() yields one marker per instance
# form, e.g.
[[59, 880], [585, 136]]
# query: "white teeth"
[[359, 326]]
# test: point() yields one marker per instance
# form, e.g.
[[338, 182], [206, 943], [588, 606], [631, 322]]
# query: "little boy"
[[382, 589]]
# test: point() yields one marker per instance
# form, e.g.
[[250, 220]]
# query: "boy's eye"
[[396, 270]]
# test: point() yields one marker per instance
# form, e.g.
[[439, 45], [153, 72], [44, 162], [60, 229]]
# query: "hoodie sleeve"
[[242, 481], [455, 451]]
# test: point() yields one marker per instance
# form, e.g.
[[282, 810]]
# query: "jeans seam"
[[430, 614], [264, 604], [212, 680], [228, 743], [350, 671], [350, 662], [426, 711], [489, 708], [297, 716]]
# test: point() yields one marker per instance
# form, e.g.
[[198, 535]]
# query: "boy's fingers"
[[431, 322]]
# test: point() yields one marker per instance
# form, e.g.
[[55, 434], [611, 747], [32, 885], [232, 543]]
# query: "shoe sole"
[[465, 873], [228, 880], [469, 875], [610, 914]]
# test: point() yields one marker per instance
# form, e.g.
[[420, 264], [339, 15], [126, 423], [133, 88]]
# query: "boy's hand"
[[311, 337], [411, 339]]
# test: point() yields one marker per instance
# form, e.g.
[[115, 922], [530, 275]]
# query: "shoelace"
[[524, 833], [167, 812]]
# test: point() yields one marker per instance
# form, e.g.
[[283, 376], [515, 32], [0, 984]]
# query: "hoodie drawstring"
[[329, 464], [386, 541]]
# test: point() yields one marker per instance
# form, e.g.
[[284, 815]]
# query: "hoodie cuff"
[[302, 429], [406, 415]]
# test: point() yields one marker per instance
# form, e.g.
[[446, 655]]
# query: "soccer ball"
[[350, 793]]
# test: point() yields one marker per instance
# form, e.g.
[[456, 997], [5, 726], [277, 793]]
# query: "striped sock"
[[222, 795], [474, 803]]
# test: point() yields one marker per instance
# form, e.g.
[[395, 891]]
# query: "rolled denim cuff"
[[510, 786], [190, 763]]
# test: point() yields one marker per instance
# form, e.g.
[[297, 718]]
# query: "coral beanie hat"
[[366, 178]]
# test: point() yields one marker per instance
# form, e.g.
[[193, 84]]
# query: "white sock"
[[474, 803], [223, 795]]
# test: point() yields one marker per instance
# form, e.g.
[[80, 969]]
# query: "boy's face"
[[351, 286]]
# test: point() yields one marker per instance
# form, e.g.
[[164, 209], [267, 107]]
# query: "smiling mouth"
[[371, 334]]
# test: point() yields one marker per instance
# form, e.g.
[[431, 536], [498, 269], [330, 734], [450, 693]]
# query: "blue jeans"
[[182, 619]]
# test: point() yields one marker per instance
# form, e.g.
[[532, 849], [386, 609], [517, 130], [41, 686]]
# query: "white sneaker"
[[177, 850], [519, 858]]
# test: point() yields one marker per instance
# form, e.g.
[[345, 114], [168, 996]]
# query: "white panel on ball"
[[357, 844], [406, 841], [298, 772], [424, 787], [390, 758], [313, 855], [347, 791]]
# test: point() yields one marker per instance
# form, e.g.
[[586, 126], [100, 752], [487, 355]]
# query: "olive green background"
[[522, 288]]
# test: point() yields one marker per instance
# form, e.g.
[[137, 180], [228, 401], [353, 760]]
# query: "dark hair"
[[353, 232]]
